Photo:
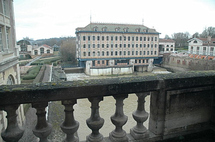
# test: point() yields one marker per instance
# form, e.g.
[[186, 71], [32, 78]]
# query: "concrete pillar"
[[150, 66], [157, 110], [88, 66]]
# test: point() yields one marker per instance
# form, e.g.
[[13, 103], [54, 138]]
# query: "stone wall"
[[187, 63]]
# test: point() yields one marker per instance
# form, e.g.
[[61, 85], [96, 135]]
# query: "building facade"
[[201, 48], [166, 46], [104, 48], [30, 47], [42, 50], [9, 67], [26, 47]]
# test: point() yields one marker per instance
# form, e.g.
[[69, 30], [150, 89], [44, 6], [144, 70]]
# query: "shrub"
[[32, 73]]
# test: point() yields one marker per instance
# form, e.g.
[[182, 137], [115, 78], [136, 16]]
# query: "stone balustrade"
[[180, 103]]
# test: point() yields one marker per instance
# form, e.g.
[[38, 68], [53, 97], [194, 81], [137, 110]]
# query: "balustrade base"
[[139, 134], [98, 138], [118, 137]]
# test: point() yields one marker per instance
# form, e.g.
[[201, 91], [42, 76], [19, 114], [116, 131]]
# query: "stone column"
[[42, 128], [119, 119], [69, 126], [12, 133], [140, 116], [95, 122]]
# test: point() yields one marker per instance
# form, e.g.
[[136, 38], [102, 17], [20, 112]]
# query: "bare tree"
[[181, 39], [167, 37], [210, 31], [196, 35], [68, 50]]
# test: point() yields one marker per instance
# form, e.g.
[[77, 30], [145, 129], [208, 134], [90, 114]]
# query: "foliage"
[[210, 31], [32, 73], [23, 63], [167, 37], [181, 39], [46, 61], [68, 50], [52, 41]]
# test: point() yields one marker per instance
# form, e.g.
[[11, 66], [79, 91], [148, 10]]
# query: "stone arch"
[[10, 80]]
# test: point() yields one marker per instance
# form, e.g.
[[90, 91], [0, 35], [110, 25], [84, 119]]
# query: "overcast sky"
[[39, 19]]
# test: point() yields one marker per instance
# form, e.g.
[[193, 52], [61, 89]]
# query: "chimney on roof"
[[209, 38]]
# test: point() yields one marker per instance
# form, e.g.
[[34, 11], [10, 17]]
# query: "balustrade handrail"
[[68, 92]]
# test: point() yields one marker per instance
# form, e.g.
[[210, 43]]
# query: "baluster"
[[42, 128], [119, 119], [95, 122], [12, 133], [69, 126], [140, 115]]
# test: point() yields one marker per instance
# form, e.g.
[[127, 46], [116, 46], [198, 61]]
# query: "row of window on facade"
[[120, 45], [204, 48], [4, 45], [41, 51], [117, 62], [167, 49], [117, 29], [116, 38], [169, 45], [141, 61], [116, 53]]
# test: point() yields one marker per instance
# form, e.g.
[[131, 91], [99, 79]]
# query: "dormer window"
[[104, 29], [95, 29], [138, 30], [125, 29], [117, 29], [147, 30]]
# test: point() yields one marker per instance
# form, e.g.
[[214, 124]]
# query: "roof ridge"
[[106, 23]]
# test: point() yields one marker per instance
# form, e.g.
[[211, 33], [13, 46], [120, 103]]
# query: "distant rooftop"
[[166, 40], [115, 27]]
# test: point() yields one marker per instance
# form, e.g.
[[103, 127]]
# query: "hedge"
[[32, 73], [45, 61]]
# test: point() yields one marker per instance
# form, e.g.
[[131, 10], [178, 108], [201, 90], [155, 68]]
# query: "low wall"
[[74, 70], [111, 70], [183, 63]]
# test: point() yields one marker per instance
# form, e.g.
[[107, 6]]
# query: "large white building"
[[202, 46], [9, 67], [109, 48]]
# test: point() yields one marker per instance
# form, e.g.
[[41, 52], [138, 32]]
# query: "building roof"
[[44, 45], [166, 40], [28, 42], [47, 46], [205, 41], [114, 27]]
